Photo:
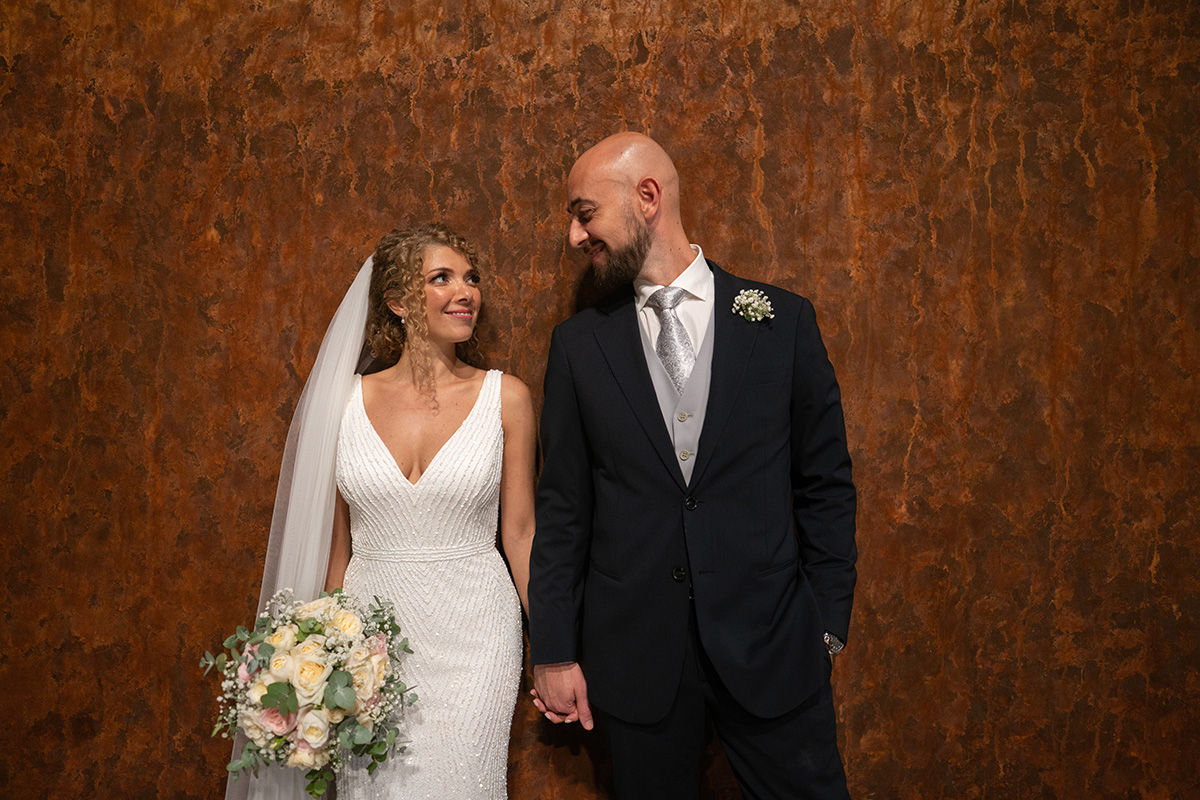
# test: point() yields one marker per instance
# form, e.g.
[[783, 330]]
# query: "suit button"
[[690, 503], [684, 455], [683, 415], [679, 573]]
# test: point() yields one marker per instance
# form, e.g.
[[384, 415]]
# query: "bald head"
[[626, 159], [626, 190]]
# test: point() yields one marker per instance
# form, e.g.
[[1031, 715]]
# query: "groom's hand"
[[560, 692]]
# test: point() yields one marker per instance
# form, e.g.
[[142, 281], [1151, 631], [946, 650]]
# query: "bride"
[[406, 472]]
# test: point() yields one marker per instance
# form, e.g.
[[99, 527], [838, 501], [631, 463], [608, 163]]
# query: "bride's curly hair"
[[397, 276]]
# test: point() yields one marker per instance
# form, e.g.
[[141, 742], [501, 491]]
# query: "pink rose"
[[377, 644], [243, 672], [276, 723]]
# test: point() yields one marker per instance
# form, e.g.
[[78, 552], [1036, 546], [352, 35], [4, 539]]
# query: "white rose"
[[364, 682], [309, 678], [282, 666], [319, 609], [383, 667], [303, 757], [257, 690], [314, 727], [254, 732], [358, 655], [346, 623], [283, 639], [335, 715], [313, 645]]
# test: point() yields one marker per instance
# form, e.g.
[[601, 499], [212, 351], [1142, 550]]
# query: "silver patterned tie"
[[674, 348]]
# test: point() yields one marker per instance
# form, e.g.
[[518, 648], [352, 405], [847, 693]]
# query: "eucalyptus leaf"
[[343, 697], [362, 734], [277, 696]]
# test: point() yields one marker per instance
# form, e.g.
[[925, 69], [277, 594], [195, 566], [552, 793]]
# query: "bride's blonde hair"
[[397, 276]]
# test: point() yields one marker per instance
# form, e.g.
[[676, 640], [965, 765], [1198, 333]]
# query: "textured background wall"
[[994, 206]]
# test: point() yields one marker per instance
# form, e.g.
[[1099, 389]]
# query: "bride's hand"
[[560, 693]]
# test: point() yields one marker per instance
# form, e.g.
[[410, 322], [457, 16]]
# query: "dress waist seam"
[[401, 556]]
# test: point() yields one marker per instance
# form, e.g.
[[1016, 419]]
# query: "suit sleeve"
[[824, 499], [558, 563]]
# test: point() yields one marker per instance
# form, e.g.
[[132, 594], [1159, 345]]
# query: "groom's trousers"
[[791, 756]]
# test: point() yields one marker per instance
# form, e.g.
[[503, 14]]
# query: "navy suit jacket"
[[763, 535]]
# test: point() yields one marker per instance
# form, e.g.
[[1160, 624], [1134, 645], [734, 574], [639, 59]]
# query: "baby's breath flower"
[[753, 305]]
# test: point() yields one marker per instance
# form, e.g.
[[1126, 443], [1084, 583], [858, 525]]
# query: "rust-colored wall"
[[994, 206]]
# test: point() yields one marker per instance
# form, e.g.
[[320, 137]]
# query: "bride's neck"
[[444, 363]]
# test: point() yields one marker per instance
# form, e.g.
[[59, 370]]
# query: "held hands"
[[560, 692]]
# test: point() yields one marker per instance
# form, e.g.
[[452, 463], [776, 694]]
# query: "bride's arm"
[[339, 549], [516, 482]]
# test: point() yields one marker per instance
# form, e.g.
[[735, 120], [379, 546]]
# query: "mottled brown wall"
[[994, 206]]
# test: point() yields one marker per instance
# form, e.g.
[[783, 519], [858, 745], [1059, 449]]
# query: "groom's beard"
[[623, 265]]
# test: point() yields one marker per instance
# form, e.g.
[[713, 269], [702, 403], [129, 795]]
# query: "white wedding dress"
[[430, 547]]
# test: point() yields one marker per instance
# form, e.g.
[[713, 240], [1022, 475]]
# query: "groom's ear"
[[649, 197]]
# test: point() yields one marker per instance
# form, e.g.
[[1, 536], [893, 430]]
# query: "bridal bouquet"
[[312, 683]]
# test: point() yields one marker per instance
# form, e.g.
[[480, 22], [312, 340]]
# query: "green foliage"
[[319, 780], [339, 692], [262, 658], [281, 695], [381, 615], [308, 627], [207, 662], [361, 735], [249, 761]]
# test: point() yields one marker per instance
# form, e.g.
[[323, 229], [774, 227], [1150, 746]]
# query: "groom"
[[694, 556]]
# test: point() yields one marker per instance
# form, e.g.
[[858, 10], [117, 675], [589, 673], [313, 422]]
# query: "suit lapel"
[[733, 341], [620, 342]]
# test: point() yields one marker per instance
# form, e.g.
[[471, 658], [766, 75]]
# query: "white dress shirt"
[[693, 310]]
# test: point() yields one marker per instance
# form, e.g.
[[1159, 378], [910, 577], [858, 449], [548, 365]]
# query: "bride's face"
[[452, 298]]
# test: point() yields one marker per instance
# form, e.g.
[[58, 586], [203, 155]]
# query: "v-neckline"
[[414, 484]]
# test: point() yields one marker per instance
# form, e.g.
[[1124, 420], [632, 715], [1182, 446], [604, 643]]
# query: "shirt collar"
[[696, 280]]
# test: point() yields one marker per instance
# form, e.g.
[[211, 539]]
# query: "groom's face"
[[604, 225]]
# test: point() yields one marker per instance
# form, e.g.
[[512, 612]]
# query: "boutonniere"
[[752, 305]]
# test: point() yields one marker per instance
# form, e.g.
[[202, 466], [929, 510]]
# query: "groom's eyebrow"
[[575, 204]]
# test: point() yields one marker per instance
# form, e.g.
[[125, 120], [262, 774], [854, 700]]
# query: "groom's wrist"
[[833, 644]]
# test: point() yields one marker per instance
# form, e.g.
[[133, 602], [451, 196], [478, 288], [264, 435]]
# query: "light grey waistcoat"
[[683, 413]]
